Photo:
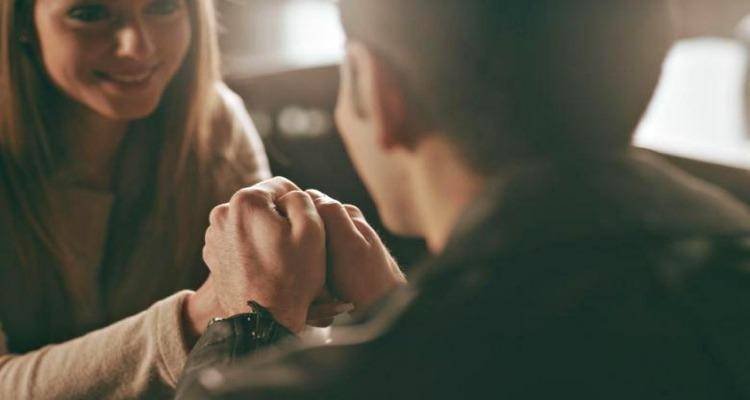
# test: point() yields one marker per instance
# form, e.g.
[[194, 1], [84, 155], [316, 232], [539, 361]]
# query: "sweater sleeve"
[[3, 343], [139, 357]]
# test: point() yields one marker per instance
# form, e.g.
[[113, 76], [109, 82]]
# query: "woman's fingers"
[[327, 311]]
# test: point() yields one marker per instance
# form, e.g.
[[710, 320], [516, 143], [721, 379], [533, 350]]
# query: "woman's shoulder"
[[232, 122], [229, 97], [235, 140], [231, 116]]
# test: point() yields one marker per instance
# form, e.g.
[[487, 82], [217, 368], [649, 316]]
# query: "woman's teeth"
[[130, 78]]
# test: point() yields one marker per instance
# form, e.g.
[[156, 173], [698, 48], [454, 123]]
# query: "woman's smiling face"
[[116, 57]]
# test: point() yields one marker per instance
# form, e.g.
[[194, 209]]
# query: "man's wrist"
[[251, 330]]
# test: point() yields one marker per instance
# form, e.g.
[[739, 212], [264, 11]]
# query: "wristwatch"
[[255, 329], [228, 340]]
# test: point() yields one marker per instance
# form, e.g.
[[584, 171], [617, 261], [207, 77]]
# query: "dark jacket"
[[612, 279]]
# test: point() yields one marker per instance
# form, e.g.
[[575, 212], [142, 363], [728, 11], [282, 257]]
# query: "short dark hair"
[[509, 79]]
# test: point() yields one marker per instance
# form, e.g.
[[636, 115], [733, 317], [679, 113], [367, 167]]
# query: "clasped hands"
[[301, 254]]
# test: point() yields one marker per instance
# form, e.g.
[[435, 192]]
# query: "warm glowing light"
[[283, 34], [311, 30]]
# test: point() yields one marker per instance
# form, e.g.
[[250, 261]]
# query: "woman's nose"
[[134, 41]]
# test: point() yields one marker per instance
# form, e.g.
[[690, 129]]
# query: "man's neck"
[[445, 186]]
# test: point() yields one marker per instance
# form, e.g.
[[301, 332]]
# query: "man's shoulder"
[[571, 318], [606, 309], [671, 262]]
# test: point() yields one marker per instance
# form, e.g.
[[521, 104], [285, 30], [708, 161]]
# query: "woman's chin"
[[129, 113]]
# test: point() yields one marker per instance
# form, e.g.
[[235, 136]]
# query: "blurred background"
[[281, 56]]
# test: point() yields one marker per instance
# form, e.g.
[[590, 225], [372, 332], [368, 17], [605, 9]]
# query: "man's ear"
[[379, 97]]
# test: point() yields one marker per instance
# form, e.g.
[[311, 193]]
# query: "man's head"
[[501, 80]]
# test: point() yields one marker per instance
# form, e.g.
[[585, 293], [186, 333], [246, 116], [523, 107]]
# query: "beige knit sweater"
[[139, 357]]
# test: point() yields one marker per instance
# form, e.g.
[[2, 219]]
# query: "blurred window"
[[699, 110], [269, 36]]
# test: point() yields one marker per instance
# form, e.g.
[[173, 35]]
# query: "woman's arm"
[[139, 357]]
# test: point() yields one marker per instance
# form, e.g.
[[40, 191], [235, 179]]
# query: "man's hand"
[[267, 245], [361, 269]]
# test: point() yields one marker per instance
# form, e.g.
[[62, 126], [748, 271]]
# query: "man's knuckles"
[[365, 230], [283, 184], [250, 198], [311, 230], [208, 257], [337, 212], [218, 214], [208, 236], [297, 200], [318, 195], [330, 210], [354, 211], [299, 207], [276, 187]]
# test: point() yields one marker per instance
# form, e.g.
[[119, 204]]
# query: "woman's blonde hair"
[[29, 153]]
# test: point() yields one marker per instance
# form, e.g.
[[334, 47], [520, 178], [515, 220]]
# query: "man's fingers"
[[218, 214], [317, 194], [331, 208], [255, 203], [338, 223], [276, 187], [261, 197], [354, 211], [359, 221], [208, 258], [300, 210]]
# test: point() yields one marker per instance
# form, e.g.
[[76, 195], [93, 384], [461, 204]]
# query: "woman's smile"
[[106, 55], [128, 79]]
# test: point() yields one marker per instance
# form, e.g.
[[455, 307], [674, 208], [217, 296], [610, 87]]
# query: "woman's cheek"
[[174, 43]]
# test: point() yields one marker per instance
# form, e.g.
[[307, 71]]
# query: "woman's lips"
[[127, 79]]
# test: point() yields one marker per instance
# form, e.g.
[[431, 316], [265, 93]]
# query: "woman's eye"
[[89, 13], [164, 7]]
